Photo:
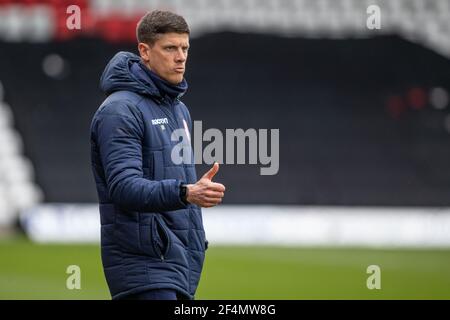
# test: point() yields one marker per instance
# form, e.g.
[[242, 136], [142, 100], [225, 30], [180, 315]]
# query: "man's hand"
[[204, 192]]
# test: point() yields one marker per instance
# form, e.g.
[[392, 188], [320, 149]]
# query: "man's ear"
[[144, 51]]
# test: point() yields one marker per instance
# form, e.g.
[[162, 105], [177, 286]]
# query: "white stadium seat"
[[17, 188]]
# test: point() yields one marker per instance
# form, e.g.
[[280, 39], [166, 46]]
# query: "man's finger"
[[216, 187], [210, 203], [212, 172], [212, 200], [214, 194]]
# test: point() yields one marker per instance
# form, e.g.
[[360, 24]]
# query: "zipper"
[[189, 252], [158, 224], [169, 113], [156, 246]]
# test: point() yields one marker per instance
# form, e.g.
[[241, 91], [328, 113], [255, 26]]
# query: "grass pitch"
[[32, 271]]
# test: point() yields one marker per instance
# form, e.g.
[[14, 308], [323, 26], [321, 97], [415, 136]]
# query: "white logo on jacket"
[[160, 121]]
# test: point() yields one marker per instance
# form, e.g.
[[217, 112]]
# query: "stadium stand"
[[339, 142], [17, 188], [363, 114], [425, 22]]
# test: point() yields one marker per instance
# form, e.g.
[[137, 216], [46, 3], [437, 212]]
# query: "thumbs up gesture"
[[212, 172], [204, 192]]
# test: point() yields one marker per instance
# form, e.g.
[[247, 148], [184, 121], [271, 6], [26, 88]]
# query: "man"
[[152, 237]]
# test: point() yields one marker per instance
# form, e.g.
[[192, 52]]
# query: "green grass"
[[31, 271]]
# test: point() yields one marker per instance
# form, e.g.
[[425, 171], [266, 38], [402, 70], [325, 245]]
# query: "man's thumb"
[[212, 172]]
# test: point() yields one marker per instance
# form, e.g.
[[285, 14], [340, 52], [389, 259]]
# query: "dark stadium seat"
[[339, 145]]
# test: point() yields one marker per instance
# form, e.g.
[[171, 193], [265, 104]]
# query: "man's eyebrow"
[[176, 45]]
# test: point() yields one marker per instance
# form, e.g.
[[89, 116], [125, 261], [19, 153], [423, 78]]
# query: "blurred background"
[[364, 120]]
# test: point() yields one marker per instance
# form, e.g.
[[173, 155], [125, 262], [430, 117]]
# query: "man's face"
[[167, 56]]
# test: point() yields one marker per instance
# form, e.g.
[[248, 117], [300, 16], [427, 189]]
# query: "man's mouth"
[[179, 70]]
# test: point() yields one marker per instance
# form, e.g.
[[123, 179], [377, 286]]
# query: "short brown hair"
[[159, 22]]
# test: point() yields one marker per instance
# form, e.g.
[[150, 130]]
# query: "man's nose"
[[180, 56]]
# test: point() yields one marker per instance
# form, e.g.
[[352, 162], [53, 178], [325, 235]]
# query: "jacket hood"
[[123, 73]]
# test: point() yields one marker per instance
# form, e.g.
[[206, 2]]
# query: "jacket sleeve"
[[119, 135]]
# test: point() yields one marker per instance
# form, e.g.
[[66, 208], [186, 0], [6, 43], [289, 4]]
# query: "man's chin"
[[176, 80]]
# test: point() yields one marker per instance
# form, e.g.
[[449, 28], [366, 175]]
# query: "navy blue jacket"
[[150, 238]]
